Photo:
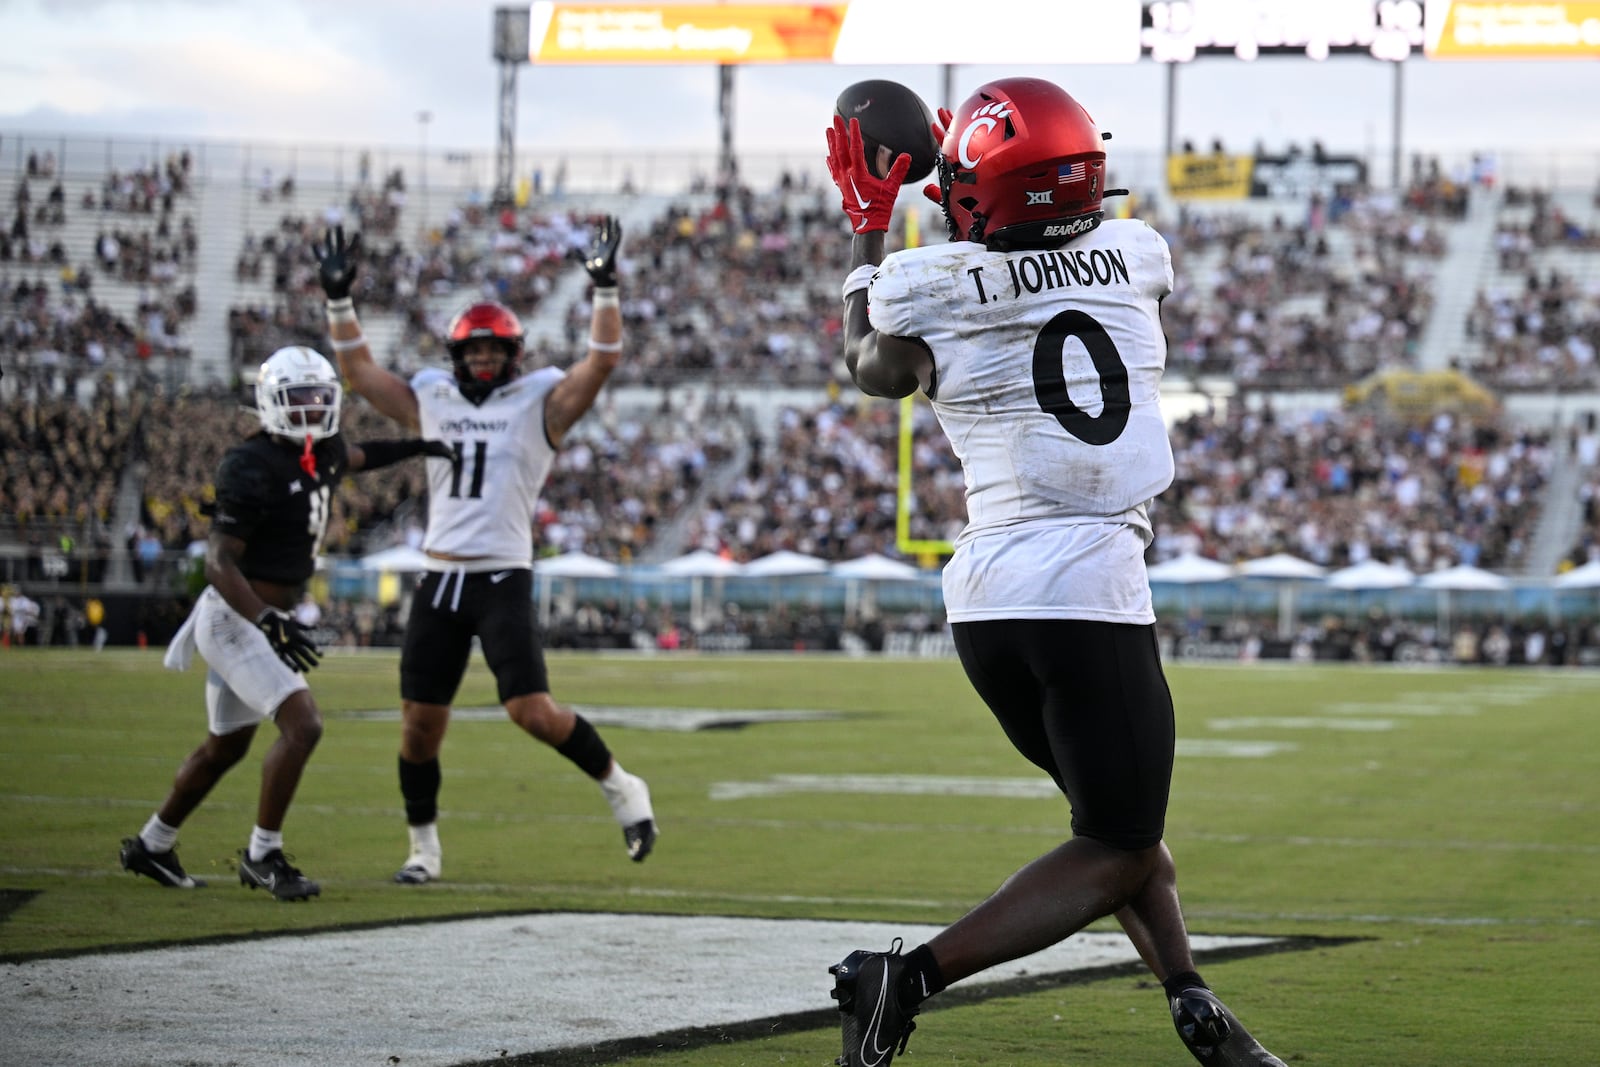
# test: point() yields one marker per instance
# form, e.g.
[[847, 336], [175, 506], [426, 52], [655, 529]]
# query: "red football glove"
[[932, 190], [868, 199]]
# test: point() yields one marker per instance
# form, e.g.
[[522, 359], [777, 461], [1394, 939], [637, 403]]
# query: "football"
[[891, 117]]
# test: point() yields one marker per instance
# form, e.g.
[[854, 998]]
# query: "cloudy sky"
[[361, 71]]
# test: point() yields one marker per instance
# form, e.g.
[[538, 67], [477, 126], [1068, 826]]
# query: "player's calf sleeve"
[[585, 748], [1177, 983], [419, 786]]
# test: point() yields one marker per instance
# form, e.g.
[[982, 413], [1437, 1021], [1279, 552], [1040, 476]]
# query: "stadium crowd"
[[741, 290]]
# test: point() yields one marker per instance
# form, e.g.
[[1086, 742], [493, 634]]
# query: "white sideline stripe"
[[1414, 708], [1296, 722], [918, 785], [436, 994], [674, 720], [865, 826], [524, 889]]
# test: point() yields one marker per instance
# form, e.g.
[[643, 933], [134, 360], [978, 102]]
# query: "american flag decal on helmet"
[[1071, 172]]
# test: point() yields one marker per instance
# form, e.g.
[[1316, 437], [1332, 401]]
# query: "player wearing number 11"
[[1036, 335], [505, 427]]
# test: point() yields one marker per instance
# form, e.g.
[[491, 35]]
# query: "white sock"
[[615, 781], [158, 836], [425, 839], [628, 795], [263, 842]]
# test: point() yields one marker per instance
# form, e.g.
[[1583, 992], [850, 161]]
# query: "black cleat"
[[163, 867], [1212, 1033], [640, 838], [273, 873], [877, 1023]]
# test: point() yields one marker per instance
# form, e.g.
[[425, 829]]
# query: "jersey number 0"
[[1050, 383]]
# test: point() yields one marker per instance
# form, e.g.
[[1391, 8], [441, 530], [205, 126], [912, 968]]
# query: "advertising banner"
[[1512, 29], [1212, 176]]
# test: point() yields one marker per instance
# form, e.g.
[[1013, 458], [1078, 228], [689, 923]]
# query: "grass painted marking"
[[360, 996], [1303, 723], [677, 720]]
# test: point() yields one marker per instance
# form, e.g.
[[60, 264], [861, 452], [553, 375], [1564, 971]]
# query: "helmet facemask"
[[298, 395], [486, 321], [475, 387]]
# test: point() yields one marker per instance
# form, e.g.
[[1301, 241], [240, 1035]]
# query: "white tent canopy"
[[568, 567], [1282, 566], [1464, 579], [784, 564], [398, 559], [700, 563], [1190, 568], [862, 576], [876, 568], [1584, 577], [698, 566], [1371, 574], [576, 565], [1288, 571]]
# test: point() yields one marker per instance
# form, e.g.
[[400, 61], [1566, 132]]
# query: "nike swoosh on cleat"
[[871, 1054], [173, 876]]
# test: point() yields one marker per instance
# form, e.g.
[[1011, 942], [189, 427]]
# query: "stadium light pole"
[[423, 118]]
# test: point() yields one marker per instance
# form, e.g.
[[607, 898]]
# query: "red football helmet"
[[494, 321], [1022, 166]]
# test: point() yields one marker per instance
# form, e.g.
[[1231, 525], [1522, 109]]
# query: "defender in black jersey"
[[272, 495]]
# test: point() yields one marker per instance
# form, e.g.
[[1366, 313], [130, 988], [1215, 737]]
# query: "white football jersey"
[[1048, 370], [485, 508]]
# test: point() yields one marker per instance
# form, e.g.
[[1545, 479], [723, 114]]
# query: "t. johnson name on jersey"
[[1040, 271]]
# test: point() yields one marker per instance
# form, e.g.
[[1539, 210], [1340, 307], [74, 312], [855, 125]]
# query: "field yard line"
[[1423, 844], [1303, 722], [435, 994], [1530, 921], [1396, 707]]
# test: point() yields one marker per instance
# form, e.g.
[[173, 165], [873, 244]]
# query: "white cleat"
[[630, 805], [420, 869]]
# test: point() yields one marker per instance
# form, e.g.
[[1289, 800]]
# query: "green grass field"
[[1444, 819]]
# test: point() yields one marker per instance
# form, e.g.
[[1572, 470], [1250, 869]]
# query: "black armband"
[[384, 453]]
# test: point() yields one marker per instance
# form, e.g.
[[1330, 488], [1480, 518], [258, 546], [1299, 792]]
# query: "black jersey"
[[267, 500]]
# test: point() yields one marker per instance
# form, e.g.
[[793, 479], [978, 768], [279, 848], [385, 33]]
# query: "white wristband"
[[607, 297], [605, 346], [349, 343], [342, 310], [859, 279]]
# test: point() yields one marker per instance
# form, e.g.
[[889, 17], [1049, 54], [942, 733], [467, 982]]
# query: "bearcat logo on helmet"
[[1071, 229]]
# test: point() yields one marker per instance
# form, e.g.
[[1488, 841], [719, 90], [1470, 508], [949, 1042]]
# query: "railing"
[[556, 169]]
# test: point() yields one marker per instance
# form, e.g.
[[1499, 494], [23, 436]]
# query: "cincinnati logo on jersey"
[[470, 425]]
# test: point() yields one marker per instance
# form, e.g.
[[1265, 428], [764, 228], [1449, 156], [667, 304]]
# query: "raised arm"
[[575, 393], [337, 263], [880, 364]]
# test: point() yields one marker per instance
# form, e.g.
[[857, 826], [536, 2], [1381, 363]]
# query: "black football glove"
[[291, 641], [601, 260], [337, 261], [443, 451]]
